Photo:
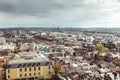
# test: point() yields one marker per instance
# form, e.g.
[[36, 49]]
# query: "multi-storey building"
[[2, 73], [29, 68]]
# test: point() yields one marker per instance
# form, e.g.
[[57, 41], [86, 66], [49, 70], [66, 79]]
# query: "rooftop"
[[28, 60]]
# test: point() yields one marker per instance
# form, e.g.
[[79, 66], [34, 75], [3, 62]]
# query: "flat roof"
[[28, 60], [28, 57]]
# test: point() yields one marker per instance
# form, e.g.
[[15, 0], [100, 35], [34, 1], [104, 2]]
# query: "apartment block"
[[29, 68]]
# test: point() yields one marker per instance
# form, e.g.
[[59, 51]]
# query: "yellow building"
[[2, 73], [29, 68]]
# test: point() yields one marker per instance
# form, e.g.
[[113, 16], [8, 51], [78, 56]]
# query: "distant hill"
[[112, 30]]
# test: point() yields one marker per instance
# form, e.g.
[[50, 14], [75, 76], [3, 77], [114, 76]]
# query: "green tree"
[[100, 48]]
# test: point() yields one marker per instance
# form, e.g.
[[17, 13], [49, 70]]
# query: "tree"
[[100, 48]]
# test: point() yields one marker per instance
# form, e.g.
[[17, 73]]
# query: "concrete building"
[[2, 73], [29, 68]]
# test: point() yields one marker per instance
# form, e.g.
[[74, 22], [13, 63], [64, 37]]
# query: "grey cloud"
[[50, 12], [34, 7], [7, 8], [42, 8], [50, 8]]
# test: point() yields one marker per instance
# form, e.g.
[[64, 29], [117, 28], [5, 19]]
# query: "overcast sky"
[[60, 13]]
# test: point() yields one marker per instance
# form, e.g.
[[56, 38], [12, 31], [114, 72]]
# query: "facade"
[[118, 46], [2, 73], [29, 68]]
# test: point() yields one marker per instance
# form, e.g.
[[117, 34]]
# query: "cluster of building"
[[68, 55]]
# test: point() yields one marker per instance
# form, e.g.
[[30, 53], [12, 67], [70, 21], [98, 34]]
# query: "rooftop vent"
[[27, 58]]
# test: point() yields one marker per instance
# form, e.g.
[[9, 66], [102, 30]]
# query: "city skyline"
[[60, 13]]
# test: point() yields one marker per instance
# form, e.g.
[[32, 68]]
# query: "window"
[[8, 71], [34, 68], [24, 65], [38, 64], [39, 68], [20, 70], [39, 73], [30, 74], [29, 64], [49, 67], [34, 74], [25, 75], [30, 69], [20, 75], [8, 76], [49, 72], [25, 69]]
